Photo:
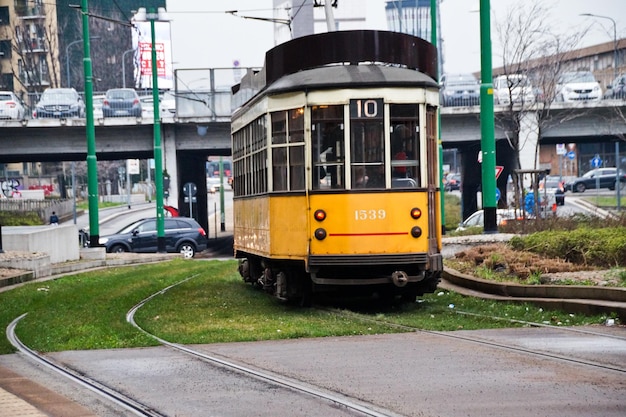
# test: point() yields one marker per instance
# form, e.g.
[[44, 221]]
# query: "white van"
[[513, 87]]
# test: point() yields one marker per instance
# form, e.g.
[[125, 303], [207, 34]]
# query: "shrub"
[[605, 247]]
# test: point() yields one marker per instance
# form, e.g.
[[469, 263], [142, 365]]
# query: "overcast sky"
[[204, 36]]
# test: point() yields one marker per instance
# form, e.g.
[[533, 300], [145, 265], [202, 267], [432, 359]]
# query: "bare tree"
[[530, 51]]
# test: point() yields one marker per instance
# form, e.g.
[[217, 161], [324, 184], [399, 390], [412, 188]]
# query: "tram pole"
[[487, 124], [92, 162], [434, 41]]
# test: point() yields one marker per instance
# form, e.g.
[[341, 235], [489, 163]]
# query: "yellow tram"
[[336, 167]]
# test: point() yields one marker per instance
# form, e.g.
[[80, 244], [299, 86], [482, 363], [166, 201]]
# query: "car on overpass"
[[121, 102], [617, 89], [59, 103], [459, 90], [11, 107], [514, 88], [578, 86]]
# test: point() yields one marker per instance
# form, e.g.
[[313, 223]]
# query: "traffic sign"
[[560, 149], [499, 170], [596, 161], [498, 194], [571, 155]]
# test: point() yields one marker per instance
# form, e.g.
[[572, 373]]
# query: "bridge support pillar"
[[168, 142], [528, 140]]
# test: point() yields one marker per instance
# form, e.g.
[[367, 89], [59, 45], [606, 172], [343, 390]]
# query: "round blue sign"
[[571, 155], [596, 162], [497, 194]]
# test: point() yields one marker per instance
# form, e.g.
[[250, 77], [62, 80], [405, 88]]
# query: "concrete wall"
[[59, 242]]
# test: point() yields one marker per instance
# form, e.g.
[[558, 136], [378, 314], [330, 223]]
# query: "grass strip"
[[88, 310]]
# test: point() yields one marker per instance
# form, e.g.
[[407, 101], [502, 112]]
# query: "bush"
[[10, 218], [605, 247]]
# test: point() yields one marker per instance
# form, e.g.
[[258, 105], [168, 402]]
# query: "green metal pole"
[[434, 41], [487, 125], [92, 162], [158, 153], [222, 213]]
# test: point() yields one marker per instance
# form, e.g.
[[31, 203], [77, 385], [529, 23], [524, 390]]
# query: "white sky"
[[204, 36]]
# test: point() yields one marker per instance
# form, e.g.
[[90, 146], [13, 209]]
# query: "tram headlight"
[[416, 213], [320, 215], [320, 234], [416, 231]]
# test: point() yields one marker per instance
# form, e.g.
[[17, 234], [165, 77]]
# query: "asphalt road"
[[410, 374]]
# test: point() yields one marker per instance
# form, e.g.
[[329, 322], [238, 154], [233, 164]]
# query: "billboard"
[[142, 44]]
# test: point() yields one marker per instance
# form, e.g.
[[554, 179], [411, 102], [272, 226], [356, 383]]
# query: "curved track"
[[135, 407], [621, 339], [129, 404]]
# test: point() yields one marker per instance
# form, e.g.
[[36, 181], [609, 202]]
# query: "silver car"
[[11, 106]]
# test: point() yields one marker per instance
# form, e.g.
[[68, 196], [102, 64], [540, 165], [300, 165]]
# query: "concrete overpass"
[[188, 140]]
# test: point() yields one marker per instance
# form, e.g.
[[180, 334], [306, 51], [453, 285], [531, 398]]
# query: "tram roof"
[[352, 76], [330, 51]]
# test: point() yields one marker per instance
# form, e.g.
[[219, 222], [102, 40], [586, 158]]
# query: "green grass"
[[606, 201], [84, 205], [88, 310]]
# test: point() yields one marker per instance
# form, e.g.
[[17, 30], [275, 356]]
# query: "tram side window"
[[327, 139], [288, 150], [249, 159], [367, 145], [405, 152]]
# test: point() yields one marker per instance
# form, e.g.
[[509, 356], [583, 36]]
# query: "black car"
[[617, 89], [604, 177], [59, 103], [182, 234], [121, 102]]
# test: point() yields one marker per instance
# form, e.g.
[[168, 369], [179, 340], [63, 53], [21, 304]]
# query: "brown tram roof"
[[287, 63]]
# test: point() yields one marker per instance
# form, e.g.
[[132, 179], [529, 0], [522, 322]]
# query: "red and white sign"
[[499, 170], [145, 51]]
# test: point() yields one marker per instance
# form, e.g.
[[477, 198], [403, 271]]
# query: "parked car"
[[513, 87], [459, 90], [182, 234], [121, 102], [477, 219], [59, 103], [578, 86], [11, 107], [605, 177], [617, 88], [452, 182]]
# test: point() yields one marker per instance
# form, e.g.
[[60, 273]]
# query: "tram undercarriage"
[[289, 281]]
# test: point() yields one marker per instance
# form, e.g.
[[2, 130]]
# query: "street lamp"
[[487, 122], [67, 57], [160, 16], [614, 39], [92, 162], [124, 66], [617, 161]]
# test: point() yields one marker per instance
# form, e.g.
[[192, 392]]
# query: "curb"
[[578, 298]]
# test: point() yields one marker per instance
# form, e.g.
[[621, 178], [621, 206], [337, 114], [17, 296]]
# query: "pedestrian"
[[54, 219]]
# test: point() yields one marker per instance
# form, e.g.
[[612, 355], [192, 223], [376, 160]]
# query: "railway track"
[[347, 405], [470, 337], [344, 405]]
